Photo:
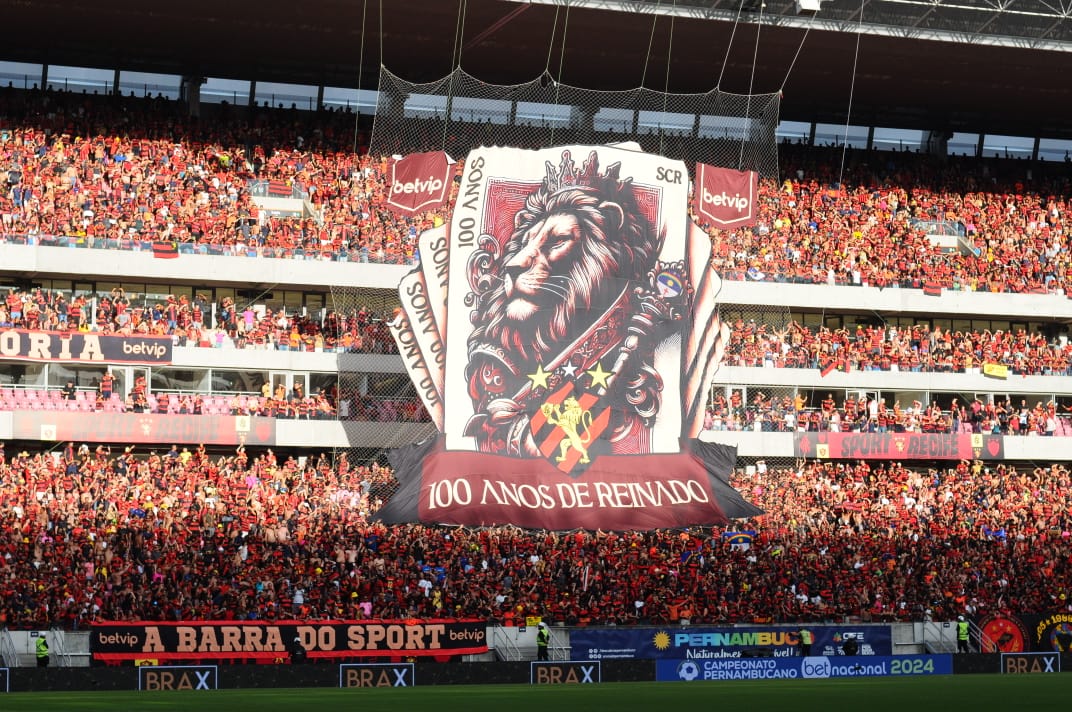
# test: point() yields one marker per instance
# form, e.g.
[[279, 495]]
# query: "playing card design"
[[566, 317]]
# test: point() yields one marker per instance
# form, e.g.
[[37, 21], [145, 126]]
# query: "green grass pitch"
[[970, 693]]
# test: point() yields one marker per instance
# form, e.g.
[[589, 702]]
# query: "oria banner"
[[566, 320], [111, 643], [77, 346]]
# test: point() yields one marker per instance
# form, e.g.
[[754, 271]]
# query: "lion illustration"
[[571, 418], [574, 249], [580, 245]]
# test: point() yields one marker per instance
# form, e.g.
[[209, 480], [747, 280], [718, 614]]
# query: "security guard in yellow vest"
[[962, 635], [41, 648]]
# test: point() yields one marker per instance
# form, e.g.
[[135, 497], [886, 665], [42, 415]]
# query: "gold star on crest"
[[599, 376], [539, 379]]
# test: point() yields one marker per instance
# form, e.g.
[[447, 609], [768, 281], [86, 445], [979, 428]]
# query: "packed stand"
[[918, 348], [125, 173], [90, 534], [198, 323], [871, 414]]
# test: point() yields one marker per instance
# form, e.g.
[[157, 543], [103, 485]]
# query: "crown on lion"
[[567, 175]]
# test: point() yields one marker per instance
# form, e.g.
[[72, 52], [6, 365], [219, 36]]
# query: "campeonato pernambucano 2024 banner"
[[562, 329], [112, 643]]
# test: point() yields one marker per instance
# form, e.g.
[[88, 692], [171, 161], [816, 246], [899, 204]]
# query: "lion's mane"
[[619, 246]]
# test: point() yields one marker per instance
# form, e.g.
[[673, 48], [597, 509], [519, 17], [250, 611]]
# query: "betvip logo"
[[177, 677], [725, 198], [430, 185], [566, 673], [376, 675]]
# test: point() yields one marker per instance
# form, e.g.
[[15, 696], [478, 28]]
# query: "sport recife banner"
[[561, 330], [708, 643], [259, 640], [899, 446]]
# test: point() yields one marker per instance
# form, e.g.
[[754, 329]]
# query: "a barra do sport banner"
[[561, 330], [709, 643], [111, 643]]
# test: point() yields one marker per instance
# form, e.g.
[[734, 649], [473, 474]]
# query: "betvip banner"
[[725, 198], [565, 319], [419, 182]]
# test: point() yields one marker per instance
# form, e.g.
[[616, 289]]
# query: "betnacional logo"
[[566, 320]]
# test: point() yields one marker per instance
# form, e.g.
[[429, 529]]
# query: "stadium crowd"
[[197, 323], [90, 534], [872, 414], [124, 173], [918, 348]]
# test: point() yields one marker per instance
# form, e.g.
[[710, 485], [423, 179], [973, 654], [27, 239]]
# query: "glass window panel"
[[322, 382], [531, 113], [178, 379], [80, 78], [1053, 149], [665, 122], [465, 108], [424, 106], [962, 144], [835, 135], [886, 139], [302, 96], [21, 75], [224, 381], [1008, 146], [611, 119], [13, 373], [347, 98], [150, 84], [232, 91], [793, 130]]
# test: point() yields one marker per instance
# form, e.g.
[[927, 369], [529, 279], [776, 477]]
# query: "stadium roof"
[[974, 65]]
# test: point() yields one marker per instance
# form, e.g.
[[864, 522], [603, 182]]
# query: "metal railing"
[[8, 654], [505, 648], [59, 657]]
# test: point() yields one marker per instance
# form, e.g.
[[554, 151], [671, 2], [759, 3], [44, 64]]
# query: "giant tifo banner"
[[561, 330], [84, 347], [710, 643], [153, 643], [143, 428], [899, 446]]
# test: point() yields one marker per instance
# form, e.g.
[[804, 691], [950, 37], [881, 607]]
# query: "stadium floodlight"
[[808, 7]]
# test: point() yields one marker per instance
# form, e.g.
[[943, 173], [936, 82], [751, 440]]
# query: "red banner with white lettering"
[[419, 182], [899, 446], [120, 642], [725, 198]]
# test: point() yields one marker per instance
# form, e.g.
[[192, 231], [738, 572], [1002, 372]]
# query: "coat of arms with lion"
[[566, 317]]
